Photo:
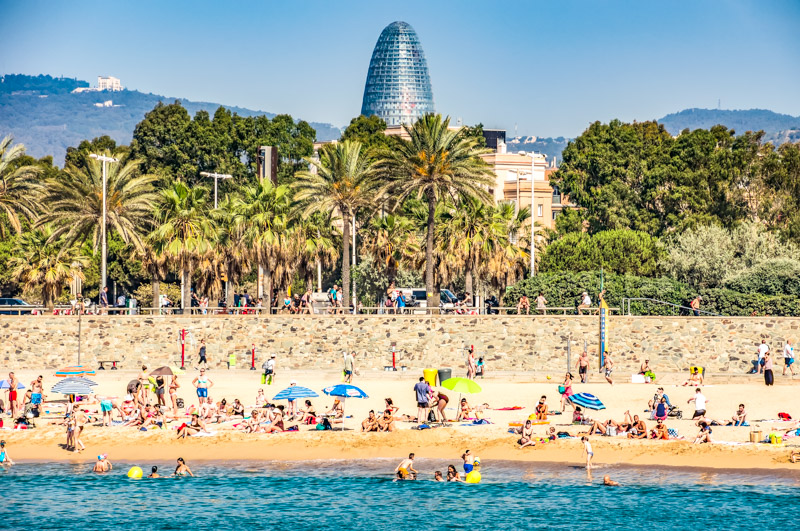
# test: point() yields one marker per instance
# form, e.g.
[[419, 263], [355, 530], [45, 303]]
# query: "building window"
[[539, 210], [555, 214]]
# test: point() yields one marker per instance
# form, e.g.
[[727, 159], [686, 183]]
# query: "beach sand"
[[733, 451]]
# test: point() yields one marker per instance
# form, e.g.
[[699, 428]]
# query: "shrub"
[[615, 251], [778, 276]]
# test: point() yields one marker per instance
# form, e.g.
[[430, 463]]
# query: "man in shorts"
[[405, 470], [583, 366], [13, 382], [333, 296], [36, 392], [608, 367], [788, 357], [422, 391], [349, 367], [763, 348], [699, 404]]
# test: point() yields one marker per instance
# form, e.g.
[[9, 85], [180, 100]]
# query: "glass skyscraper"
[[398, 87]]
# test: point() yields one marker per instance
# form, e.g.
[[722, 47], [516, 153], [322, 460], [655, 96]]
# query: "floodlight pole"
[[104, 245], [217, 177]]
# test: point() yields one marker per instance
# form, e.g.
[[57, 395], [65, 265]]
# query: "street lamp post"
[[533, 219], [217, 177], [104, 246]]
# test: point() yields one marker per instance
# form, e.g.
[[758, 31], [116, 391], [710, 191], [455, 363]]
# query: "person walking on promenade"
[[695, 305], [104, 300], [788, 357], [769, 377]]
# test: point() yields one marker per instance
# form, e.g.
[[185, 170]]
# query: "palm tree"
[[16, 185], [184, 230], [510, 257], [262, 210], [318, 245], [435, 163], [392, 241], [74, 202], [154, 261], [39, 261], [343, 181]]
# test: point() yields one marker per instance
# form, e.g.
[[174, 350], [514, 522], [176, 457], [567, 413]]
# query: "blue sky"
[[550, 68]]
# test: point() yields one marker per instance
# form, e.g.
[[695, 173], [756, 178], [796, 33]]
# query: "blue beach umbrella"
[[345, 391], [6, 384], [587, 400], [294, 392]]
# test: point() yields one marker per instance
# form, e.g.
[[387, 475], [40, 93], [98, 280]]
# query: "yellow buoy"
[[135, 472], [473, 477]]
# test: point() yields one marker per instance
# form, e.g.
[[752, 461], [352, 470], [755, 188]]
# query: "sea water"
[[362, 495]]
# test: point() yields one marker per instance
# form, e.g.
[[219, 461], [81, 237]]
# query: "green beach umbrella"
[[461, 385]]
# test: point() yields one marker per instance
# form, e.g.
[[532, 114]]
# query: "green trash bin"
[[232, 361], [445, 374]]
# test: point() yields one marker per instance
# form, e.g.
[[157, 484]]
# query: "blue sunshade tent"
[[587, 400], [295, 392], [344, 391], [6, 384]]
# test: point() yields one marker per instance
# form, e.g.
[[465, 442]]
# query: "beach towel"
[[512, 408], [672, 432], [204, 434]]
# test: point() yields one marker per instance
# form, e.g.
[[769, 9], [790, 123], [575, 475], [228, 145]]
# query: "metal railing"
[[676, 308]]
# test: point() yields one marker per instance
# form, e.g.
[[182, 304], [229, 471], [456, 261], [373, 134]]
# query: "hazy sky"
[[551, 68]]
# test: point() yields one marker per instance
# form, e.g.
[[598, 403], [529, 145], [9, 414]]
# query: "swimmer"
[[405, 470], [102, 464], [452, 474], [468, 460], [154, 473], [4, 457], [437, 476], [608, 482], [182, 469]]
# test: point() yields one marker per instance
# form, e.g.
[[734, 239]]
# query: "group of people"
[[764, 363], [471, 463], [22, 406]]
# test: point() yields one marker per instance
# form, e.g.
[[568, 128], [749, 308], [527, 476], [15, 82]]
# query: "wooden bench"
[[103, 362]]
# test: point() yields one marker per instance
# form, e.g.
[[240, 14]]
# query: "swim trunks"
[[467, 468], [582, 370], [789, 361], [36, 398], [608, 372], [106, 406], [12, 395], [202, 392]]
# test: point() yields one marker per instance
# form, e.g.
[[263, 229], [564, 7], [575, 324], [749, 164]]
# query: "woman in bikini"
[[261, 399], [526, 433], [464, 410], [194, 428], [173, 394], [541, 409], [452, 473], [80, 422], [182, 469]]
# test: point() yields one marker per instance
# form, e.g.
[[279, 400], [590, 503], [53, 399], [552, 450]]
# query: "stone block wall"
[[508, 343]]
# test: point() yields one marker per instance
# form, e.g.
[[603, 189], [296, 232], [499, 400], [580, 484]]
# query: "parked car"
[[18, 305], [417, 298]]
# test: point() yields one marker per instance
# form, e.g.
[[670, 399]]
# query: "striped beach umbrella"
[[72, 389], [587, 400], [74, 370], [345, 391], [75, 380], [294, 392]]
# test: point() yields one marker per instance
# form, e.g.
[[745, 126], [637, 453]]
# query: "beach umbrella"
[[74, 370], [6, 384], [587, 400], [294, 392], [72, 389], [74, 380], [461, 385], [344, 391], [162, 371]]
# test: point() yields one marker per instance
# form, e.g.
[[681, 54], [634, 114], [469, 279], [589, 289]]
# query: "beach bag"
[[562, 389], [431, 416], [263, 378], [326, 424], [784, 416]]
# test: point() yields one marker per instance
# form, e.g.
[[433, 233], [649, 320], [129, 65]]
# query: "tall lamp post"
[[104, 246], [216, 177], [533, 218]]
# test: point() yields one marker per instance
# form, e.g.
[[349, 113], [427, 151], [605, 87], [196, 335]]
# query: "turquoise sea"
[[361, 495]]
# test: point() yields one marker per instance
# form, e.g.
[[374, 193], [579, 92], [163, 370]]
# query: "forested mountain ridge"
[[42, 113]]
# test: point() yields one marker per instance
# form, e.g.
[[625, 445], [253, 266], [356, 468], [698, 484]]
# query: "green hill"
[[779, 128], [42, 113]]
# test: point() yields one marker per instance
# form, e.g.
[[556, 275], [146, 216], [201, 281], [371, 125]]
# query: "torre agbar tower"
[[398, 87]]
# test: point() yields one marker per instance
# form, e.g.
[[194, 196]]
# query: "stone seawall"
[[508, 343]]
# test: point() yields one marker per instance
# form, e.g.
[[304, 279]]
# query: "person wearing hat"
[[695, 305], [102, 464], [586, 302], [4, 457], [269, 370]]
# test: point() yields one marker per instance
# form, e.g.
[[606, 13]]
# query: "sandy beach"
[[731, 449]]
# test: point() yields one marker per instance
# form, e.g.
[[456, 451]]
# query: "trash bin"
[[430, 376], [445, 374], [231, 361]]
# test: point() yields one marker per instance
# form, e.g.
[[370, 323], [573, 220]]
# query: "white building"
[[108, 83]]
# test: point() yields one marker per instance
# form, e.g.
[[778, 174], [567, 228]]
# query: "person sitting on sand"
[[195, 427], [578, 417], [739, 418], [336, 410], [277, 421], [541, 409], [209, 410], [452, 474], [794, 456], [261, 399], [526, 433], [238, 409], [390, 406], [661, 431], [464, 410], [638, 429], [307, 414], [608, 482], [405, 470], [657, 398], [386, 423], [661, 410], [705, 433], [695, 378], [370, 423]]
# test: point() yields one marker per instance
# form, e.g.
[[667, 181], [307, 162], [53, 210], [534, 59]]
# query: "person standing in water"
[[405, 470], [587, 450], [154, 473], [102, 464], [182, 469]]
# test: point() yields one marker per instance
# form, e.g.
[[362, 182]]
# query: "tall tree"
[[392, 241], [184, 229], [42, 262], [343, 181], [16, 185], [74, 202], [263, 211], [437, 162]]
